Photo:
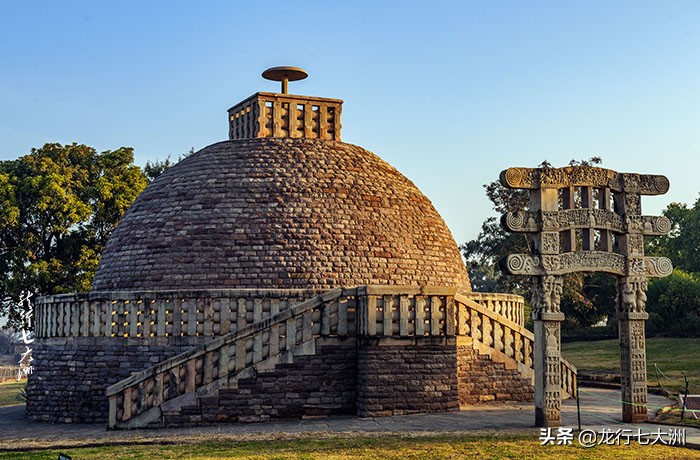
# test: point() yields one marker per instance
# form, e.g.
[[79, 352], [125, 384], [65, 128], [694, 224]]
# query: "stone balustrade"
[[159, 313], [369, 311], [285, 115], [216, 312], [486, 327], [400, 311], [508, 305]]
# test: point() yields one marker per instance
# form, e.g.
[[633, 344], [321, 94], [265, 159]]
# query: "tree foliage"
[[682, 244], [58, 206], [674, 302], [674, 305], [586, 298]]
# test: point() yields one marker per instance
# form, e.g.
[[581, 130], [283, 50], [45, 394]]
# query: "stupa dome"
[[281, 206]]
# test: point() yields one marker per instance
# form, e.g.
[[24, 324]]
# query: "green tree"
[[682, 244], [673, 304], [586, 298], [58, 206]]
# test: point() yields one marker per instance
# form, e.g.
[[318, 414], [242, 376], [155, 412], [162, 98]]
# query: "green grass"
[[369, 447], [9, 391], [674, 357]]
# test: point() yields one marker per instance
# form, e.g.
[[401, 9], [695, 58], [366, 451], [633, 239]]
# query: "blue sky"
[[450, 93]]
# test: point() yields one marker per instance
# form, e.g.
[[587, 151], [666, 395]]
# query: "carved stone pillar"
[[546, 296], [631, 315]]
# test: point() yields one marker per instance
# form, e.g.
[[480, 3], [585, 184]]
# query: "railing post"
[[450, 316], [112, 417]]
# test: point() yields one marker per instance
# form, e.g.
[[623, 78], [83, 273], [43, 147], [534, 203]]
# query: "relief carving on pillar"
[[639, 367], [550, 243], [635, 242], [639, 398], [553, 373], [633, 204], [637, 339], [546, 294], [632, 297], [552, 405]]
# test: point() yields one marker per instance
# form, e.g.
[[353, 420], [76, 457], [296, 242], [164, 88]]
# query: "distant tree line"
[[58, 206], [588, 299], [673, 302]]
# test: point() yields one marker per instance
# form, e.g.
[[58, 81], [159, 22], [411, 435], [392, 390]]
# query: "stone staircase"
[[504, 341], [198, 385]]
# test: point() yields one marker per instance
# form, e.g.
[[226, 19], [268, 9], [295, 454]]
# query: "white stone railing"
[[159, 313], [510, 306], [218, 312], [405, 311]]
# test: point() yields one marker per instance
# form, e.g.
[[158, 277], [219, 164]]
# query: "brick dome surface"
[[280, 213]]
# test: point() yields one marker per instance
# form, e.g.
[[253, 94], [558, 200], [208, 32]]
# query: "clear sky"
[[450, 93]]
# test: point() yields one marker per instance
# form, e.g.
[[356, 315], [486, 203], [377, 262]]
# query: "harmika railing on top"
[[285, 115]]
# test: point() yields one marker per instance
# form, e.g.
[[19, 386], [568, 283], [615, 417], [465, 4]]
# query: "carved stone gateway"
[[586, 219]]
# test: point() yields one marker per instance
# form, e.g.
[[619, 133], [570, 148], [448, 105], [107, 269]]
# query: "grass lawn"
[[370, 447], [674, 357], [9, 391]]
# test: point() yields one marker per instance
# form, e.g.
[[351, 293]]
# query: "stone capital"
[[632, 316], [539, 315]]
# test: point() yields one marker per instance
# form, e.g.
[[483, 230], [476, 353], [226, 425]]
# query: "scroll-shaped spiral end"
[[664, 266], [662, 185], [512, 177], [663, 225], [515, 263], [514, 221]]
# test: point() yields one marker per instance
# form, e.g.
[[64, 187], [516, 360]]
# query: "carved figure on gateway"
[[586, 219]]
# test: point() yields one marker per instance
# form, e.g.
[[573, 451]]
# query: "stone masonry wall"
[[70, 375], [370, 379], [482, 380], [317, 385], [280, 213], [405, 379]]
